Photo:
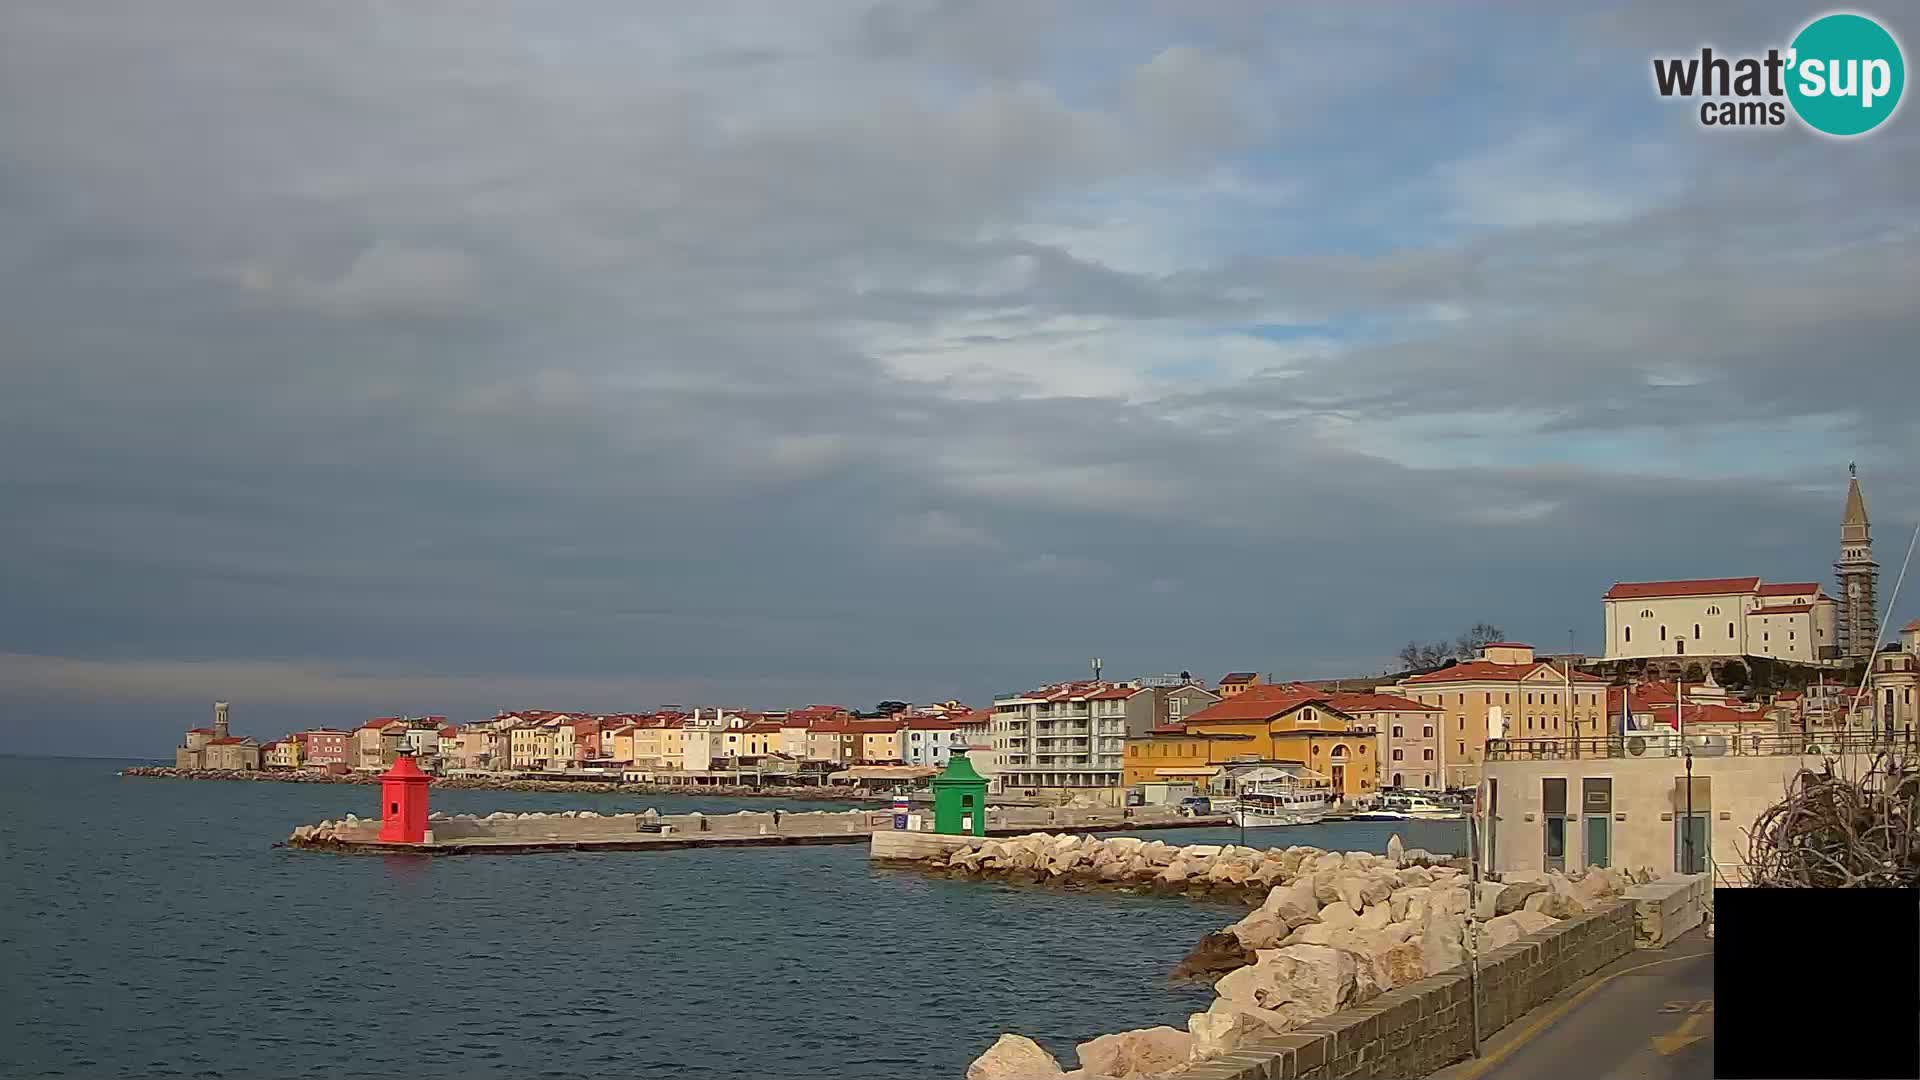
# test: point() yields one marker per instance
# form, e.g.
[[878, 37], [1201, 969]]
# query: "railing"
[[1657, 744]]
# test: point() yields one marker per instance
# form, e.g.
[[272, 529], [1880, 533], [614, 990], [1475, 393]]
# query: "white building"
[[926, 740], [1063, 740], [706, 741], [1895, 697], [1720, 617]]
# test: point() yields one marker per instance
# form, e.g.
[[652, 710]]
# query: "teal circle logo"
[[1845, 74]]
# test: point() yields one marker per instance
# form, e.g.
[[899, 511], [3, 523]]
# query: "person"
[[776, 818]]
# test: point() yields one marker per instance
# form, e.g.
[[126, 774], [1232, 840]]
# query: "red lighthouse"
[[403, 802]]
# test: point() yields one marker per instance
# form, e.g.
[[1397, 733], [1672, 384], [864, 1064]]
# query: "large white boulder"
[[1295, 902], [1223, 1028], [1339, 913], [1396, 850], [1443, 944], [1291, 985], [1144, 1052], [1014, 1057]]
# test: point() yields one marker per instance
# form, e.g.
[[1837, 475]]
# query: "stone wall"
[[1419, 1028]]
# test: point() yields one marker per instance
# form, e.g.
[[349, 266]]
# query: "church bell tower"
[[1859, 575]]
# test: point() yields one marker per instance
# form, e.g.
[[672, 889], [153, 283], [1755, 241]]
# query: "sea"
[[152, 928]]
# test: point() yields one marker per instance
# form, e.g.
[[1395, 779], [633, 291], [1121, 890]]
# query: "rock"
[[1217, 953], [1443, 944], [1295, 903], [1511, 927], [1376, 917], [1513, 897], [1396, 850], [1292, 985], [1350, 890], [1173, 877], [1412, 877], [1376, 886], [1262, 929], [1196, 851], [1402, 963], [1136, 1053], [1222, 1028], [1400, 903], [1419, 857], [1486, 896], [1338, 913], [1014, 1057]]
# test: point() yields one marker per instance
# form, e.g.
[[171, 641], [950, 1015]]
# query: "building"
[[1235, 683], [705, 745], [1720, 618], [1165, 699], [1895, 685], [1504, 691], [447, 747], [192, 751], [1063, 740], [976, 730], [930, 740], [1629, 803], [282, 754], [879, 741], [232, 753], [1408, 747], [325, 747], [1285, 726], [1858, 576]]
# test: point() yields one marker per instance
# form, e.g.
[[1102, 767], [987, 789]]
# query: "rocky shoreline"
[[482, 783], [1328, 931]]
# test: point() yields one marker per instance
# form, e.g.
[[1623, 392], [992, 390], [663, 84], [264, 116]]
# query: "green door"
[[1599, 840], [1690, 859]]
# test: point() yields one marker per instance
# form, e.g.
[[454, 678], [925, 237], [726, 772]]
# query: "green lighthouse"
[[960, 799]]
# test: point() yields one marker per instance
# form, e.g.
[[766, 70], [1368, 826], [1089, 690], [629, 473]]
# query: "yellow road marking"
[[1481, 1065], [1681, 1038]]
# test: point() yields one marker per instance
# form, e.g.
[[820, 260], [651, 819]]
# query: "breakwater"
[[1329, 931], [586, 830]]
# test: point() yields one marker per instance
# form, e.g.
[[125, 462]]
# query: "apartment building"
[[1063, 740]]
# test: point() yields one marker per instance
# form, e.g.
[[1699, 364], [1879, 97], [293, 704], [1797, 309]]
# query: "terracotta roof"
[[928, 723], [765, 727], [1647, 590], [1911, 627], [1115, 693], [449, 732], [1708, 714], [1789, 588], [873, 727], [199, 731], [1257, 703], [1782, 609], [231, 740], [1167, 729], [1488, 671], [1362, 703]]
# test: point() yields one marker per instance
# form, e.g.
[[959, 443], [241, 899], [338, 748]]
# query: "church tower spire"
[[1859, 576]]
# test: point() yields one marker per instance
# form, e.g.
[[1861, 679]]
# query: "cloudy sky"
[[377, 357]]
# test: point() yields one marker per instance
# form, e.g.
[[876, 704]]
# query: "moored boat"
[[1269, 803]]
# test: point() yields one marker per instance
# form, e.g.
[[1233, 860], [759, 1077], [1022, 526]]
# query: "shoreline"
[[477, 783]]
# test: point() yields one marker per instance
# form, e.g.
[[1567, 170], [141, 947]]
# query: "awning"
[[884, 772], [1213, 770]]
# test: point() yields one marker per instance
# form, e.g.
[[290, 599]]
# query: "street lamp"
[[1686, 828]]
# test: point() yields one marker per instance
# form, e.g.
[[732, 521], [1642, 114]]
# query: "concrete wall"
[[1663, 910], [1736, 791], [1424, 1026]]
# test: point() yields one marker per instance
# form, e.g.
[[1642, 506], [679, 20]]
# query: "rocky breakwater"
[[587, 826], [1332, 930]]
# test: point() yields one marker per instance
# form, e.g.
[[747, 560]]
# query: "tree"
[[888, 708], [1733, 675], [1695, 674], [1478, 636]]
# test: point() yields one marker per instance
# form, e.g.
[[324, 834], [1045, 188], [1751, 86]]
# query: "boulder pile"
[[1331, 930]]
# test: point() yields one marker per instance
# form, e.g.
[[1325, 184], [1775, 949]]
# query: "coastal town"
[[1740, 677]]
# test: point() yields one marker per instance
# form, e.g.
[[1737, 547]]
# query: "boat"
[[1266, 803], [1422, 808]]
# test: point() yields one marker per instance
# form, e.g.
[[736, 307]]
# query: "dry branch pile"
[[1835, 831]]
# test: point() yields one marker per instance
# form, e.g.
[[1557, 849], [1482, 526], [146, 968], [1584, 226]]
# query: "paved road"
[[1648, 1016]]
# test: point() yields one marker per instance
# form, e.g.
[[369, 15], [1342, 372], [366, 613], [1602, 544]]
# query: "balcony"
[[1665, 743]]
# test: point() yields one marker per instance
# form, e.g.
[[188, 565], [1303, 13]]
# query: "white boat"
[[1268, 803], [1421, 808]]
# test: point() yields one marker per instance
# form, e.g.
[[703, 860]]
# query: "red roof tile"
[[1648, 590], [1911, 627], [1488, 671], [1791, 588], [1257, 703], [1364, 703], [450, 732], [231, 740], [928, 723], [199, 731]]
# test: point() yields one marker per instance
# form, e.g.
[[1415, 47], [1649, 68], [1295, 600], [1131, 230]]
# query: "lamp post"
[[1686, 830]]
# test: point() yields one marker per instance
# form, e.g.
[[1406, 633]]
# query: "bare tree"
[[1478, 636]]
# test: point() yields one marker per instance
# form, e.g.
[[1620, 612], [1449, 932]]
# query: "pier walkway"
[[1647, 1016], [521, 834]]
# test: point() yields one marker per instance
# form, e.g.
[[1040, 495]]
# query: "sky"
[[440, 357]]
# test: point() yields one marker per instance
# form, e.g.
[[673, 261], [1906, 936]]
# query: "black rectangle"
[[1816, 983], [1553, 794]]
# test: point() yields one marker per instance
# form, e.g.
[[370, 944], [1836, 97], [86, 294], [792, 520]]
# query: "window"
[[1396, 731], [1663, 633], [1427, 754], [1529, 723], [1646, 613], [1427, 732], [1629, 632], [1397, 756], [1506, 699], [1696, 631], [1529, 699], [1713, 610], [1396, 779], [1729, 631]]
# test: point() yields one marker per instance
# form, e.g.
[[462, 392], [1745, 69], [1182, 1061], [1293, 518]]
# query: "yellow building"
[[1505, 692], [1235, 683], [283, 754], [660, 743], [618, 744], [1261, 724], [879, 740]]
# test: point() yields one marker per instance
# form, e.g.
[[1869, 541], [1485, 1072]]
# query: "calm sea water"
[[148, 928]]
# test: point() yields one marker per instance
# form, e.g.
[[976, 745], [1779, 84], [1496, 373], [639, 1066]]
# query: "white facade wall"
[[1664, 626], [930, 747]]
